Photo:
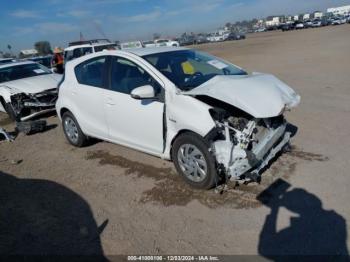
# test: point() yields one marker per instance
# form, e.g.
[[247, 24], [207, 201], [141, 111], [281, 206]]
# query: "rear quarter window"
[[91, 72]]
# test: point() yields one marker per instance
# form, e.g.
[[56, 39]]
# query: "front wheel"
[[194, 162]]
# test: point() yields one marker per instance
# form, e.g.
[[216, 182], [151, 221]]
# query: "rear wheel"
[[194, 162], [72, 130]]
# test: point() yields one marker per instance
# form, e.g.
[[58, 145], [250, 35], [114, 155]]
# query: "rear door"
[[89, 96]]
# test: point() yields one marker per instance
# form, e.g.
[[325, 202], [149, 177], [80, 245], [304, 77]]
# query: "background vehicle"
[[6, 60], [27, 89], [317, 23], [166, 42], [43, 60], [195, 109], [299, 25], [81, 48], [260, 30], [148, 43], [131, 45], [187, 40], [308, 24], [217, 37], [337, 21], [235, 36], [201, 39], [288, 27]]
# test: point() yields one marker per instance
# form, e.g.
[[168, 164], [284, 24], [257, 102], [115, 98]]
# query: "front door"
[[132, 122]]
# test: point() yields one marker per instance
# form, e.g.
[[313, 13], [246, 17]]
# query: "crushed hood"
[[259, 95], [32, 85]]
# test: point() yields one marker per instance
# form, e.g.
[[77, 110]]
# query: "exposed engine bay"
[[244, 145], [26, 106]]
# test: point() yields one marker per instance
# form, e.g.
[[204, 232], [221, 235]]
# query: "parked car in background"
[[43, 60], [166, 42], [299, 25], [81, 48], [7, 60], [235, 36], [149, 43], [260, 30], [201, 39], [337, 21], [308, 24], [316, 23], [211, 118], [215, 37], [27, 89], [187, 40], [343, 20], [131, 45], [288, 27]]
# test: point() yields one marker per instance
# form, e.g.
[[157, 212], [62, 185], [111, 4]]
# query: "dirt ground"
[[107, 199]]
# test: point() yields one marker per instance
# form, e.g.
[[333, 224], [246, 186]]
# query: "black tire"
[[81, 139], [211, 178]]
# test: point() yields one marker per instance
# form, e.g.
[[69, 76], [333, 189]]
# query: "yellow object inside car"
[[188, 68]]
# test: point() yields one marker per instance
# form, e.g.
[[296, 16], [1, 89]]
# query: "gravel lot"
[[112, 200]]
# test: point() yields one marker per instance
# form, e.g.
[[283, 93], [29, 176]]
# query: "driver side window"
[[126, 76]]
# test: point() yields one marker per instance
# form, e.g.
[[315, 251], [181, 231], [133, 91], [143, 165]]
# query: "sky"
[[23, 22]]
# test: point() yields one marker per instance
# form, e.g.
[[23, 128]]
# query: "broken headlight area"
[[26, 106], [245, 145]]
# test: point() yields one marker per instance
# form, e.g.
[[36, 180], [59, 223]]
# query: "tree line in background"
[[42, 47]]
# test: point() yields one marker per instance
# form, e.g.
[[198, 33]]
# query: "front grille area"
[[49, 96]]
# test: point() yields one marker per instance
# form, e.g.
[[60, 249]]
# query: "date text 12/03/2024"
[[173, 258]]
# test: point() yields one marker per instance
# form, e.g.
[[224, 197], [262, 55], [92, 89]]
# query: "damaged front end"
[[26, 106], [245, 145]]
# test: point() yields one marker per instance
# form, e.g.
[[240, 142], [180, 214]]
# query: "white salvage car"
[[27, 89], [210, 117]]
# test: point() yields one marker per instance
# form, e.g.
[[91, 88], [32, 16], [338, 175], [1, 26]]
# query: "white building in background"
[[318, 14], [273, 21], [296, 17], [341, 10], [289, 18]]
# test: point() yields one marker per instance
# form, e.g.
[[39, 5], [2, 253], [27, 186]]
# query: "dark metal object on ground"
[[31, 127]]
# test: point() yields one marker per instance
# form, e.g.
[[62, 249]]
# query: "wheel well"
[[2, 101], [63, 110], [175, 137]]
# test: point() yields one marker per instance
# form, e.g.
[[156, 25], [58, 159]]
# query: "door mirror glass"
[[143, 92]]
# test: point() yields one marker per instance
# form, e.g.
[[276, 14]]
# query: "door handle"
[[110, 102]]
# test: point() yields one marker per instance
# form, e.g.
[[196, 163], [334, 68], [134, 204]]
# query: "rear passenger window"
[[91, 72]]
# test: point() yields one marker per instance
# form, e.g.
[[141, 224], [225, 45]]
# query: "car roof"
[[6, 59], [86, 45], [153, 50], [40, 57], [16, 63]]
